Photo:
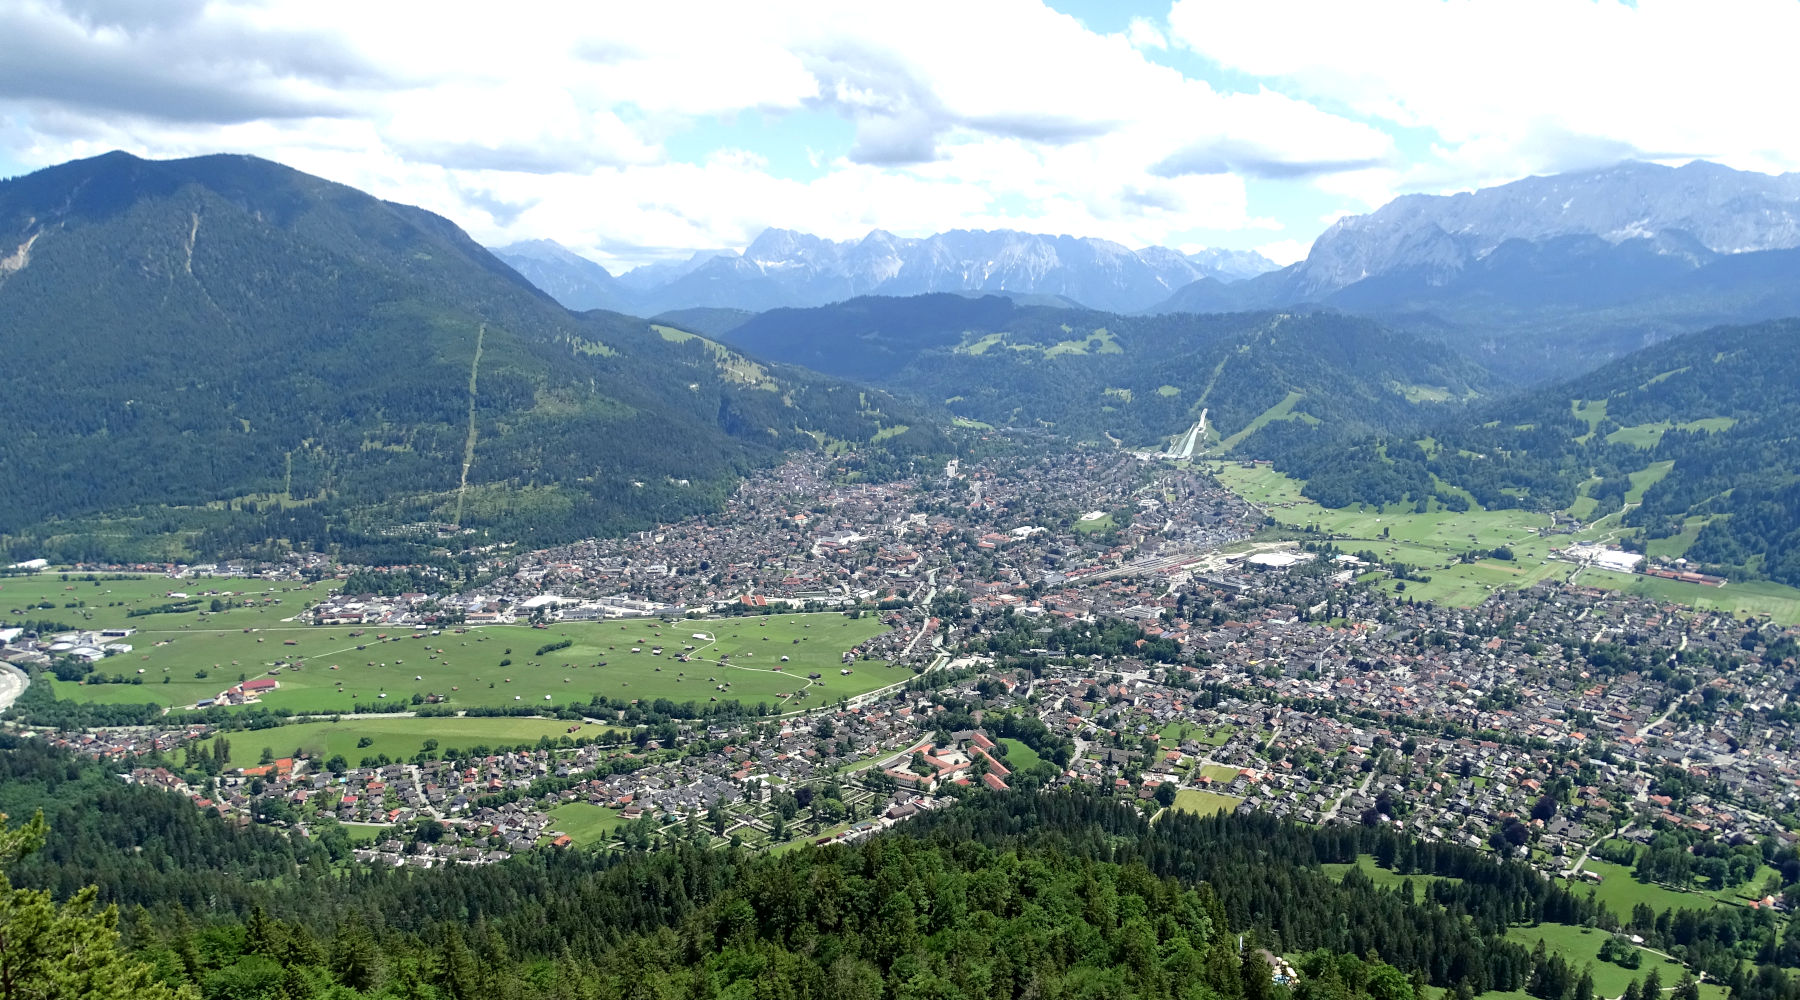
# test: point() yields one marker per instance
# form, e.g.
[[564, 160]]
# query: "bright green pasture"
[[340, 671], [1580, 946], [1105, 523], [1648, 436], [399, 738], [1204, 803], [585, 822], [1384, 877], [366, 833], [1676, 545], [1753, 597], [1020, 757], [1645, 478], [1445, 531], [1283, 410], [743, 653], [104, 603], [1431, 543], [1620, 891], [1179, 731]]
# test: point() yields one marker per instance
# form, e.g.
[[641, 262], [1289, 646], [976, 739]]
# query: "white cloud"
[[1371, 187], [558, 119], [1285, 252], [1519, 86], [1144, 34]]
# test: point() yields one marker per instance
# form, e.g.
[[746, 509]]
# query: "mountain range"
[[785, 268], [1534, 278], [222, 352], [1549, 273]]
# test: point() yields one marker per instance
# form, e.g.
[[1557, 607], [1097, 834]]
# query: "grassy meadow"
[[1204, 803], [1383, 877], [1580, 946], [586, 823], [105, 603], [1432, 542], [178, 659], [398, 738]]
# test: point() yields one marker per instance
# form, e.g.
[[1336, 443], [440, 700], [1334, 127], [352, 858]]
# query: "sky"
[[635, 132]]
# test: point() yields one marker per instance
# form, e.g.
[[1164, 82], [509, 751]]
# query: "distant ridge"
[[786, 268]]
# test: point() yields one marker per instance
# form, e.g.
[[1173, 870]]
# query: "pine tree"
[[262, 935], [66, 952], [354, 959]]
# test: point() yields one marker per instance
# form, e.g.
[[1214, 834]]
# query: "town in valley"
[[1029, 619]]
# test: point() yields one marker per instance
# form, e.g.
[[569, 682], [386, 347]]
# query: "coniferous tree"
[[69, 951]]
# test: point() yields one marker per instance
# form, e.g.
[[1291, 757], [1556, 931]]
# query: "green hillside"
[[1689, 447], [211, 354], [1268, 380]]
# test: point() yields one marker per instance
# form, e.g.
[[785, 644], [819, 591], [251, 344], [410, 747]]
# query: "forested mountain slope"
[[1140, 380], [283, 357], [1707, 422]]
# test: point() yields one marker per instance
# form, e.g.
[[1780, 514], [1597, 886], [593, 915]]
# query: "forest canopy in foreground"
[[1053, 895]]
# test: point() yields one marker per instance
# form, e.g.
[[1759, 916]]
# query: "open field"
[[1178, 732], [365, 833], [1383, 877], [340, 669], [100, 603], [1216, 736], [1445, 531], [1645, 478], [1620, 891], [1429, 542], [1581, 947], [586, 823], [1105, 523], [1020, 757], [1676, 545], [399, 738], [1753, 597], [1647, 436], [1283, 410], [1219, 773], [1204, 803]]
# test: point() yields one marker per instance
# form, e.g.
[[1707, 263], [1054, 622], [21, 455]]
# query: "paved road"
[[12, 684], [1337, 806], [1660, 719]]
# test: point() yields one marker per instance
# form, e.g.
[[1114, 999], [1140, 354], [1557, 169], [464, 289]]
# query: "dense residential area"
[[1166, 660]]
